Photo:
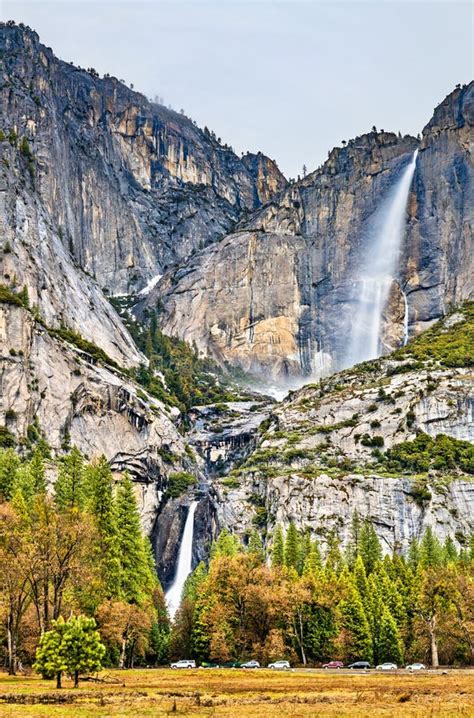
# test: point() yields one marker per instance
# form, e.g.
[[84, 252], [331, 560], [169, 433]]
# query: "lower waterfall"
[[184, 564], [379, 267]]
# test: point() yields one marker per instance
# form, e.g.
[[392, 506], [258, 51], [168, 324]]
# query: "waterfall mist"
[[184, 564], [378, 268]]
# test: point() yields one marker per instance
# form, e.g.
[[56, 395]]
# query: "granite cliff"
[[103, 191], [291, 267]]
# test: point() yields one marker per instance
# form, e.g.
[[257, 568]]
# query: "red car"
[[334, 664]]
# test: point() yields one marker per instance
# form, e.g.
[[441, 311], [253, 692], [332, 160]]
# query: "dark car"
[[360, 665], [333, 664]]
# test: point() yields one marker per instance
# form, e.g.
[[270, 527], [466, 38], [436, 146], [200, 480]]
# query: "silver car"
[[416, 667], [183, 664], [386, 667], [280, 665]]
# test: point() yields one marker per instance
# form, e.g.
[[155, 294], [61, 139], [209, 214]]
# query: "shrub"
[[178, 483]]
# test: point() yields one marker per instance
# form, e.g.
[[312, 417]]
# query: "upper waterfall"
[[184, 564], [379, 267]]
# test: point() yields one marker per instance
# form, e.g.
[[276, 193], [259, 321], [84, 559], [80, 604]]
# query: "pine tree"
[[374, 609], [413, 554], [136, 576], [226, 545], [9, 463], [69, 488], [72, 646], [313, 563], [431, 552], [390, 645], [255, 547], [352, 549], [360, 578], [50, 656], [292, 547], [369, 546], [334, 561], [102, 505], [450, 554], [278, 551], [357, 644], [81, 647]]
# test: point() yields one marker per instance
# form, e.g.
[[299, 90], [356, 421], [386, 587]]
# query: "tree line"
[[77, 571], [77, 549], [349, 605]]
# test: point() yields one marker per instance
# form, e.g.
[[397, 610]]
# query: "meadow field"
[[244, 694]]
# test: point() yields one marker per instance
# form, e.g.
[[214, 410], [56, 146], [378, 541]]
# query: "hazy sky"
[[289, 78]]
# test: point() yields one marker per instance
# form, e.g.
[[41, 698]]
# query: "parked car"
[[333, 664], [416, 667], [280, 665], [184, 664], [359, 665], [251, 664], [386, 667]]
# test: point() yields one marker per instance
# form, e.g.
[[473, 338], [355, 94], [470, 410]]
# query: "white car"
[[280, 665], [386, 667], [183, 664], [416, 667]]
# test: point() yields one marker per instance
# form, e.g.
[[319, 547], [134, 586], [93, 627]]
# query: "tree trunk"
[[122, 653], [58, 679], [434, 643], [11, 651], [303, 654], [76, 679]]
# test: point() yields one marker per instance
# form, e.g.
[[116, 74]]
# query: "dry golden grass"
[[251, 694]]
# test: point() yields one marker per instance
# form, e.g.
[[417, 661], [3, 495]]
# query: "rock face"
[[315, 465], [129, 185], [290, 268], [75, 401]]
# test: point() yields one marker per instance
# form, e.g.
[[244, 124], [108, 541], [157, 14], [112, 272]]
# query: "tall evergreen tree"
[[390, 645], [292, 547], [313, 562], [69, 487], [9, 464], [431, 552], [278, 550], [334, 560], [369, 546], [102, 505], [357, 643], [137, 580], [450, 554], [255, 546]]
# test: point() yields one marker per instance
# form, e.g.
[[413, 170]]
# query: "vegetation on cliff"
[[176, 374]]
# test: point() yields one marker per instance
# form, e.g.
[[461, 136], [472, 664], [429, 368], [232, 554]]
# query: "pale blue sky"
[[289, 78]]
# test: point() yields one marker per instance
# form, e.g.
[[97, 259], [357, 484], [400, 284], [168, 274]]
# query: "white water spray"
[[379, 265], [185, 556]]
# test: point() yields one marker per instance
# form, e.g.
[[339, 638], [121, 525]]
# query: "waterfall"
[[184, 564], [379, 265]]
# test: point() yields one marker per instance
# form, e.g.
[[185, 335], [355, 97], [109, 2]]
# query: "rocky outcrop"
[[290, 269], [224, 434], [437, 267], [322, 456], [73, 400], [130, 186]]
